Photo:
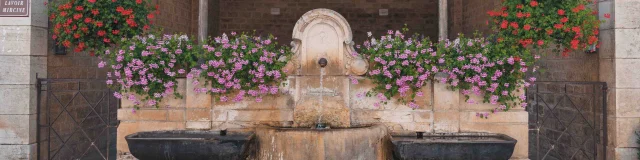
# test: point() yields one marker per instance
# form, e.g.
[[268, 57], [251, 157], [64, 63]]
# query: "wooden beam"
[[203, 22], [442, 19]]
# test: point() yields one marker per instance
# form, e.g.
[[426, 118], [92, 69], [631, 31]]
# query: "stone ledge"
[[446, 122], [198, 115], [260, 115], [142, 115], [520, 117], [200, 125], [375, 116]]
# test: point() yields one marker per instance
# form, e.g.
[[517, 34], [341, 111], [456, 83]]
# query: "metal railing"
[[567, 120], [76, 119]]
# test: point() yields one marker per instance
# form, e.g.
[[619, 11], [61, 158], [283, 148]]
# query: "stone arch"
[[324, 33]]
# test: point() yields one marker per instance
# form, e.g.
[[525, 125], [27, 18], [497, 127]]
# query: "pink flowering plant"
[[242, 65], [399, 65], [149, 66], [477, 67]]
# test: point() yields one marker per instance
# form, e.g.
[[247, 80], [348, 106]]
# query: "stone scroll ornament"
[[333, 27]]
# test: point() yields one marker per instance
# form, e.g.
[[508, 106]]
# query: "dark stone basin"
[[189, 145], [462, 146]]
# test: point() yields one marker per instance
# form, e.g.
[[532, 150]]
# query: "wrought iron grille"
[[567, 120], [76, 119]]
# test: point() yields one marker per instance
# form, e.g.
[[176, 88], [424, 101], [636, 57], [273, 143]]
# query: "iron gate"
[[76, 119], [567, 120]]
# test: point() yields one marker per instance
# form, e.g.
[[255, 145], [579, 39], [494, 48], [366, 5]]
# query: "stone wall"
[[248, 15], [440, 111], [22, 57], [619, 57]]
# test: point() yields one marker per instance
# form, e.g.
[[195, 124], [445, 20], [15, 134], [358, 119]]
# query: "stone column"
[[23, 49], [203, 22], [442, 19], [619, 63]]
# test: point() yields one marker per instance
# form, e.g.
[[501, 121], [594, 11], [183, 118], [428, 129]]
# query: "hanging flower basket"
[[97, 24]]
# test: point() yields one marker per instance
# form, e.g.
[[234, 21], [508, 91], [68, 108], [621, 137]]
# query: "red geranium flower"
[[101, 33], [66, 43], [574, 43], [549, 31], [576, 29], [534, 3], [558, 26], [115, 31], [514, 25], [561, 12], [578, 8], [564, 20], [527, 27], [77, 16], [504, 24]]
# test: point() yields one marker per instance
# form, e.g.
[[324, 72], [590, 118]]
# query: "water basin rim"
[[360, 127], [454, 142], [503, 138], [211, 135]]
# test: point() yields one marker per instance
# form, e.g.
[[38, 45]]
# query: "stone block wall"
[[22, 57], [440, 111], [619, 58], [247, 15]]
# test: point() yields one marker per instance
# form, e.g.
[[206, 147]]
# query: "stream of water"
[[321, 94]]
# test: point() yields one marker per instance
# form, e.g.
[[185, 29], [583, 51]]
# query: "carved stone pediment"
[[323, 33]]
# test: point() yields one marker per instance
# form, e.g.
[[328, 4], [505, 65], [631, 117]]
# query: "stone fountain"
[[324, 127], [323, 60]]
